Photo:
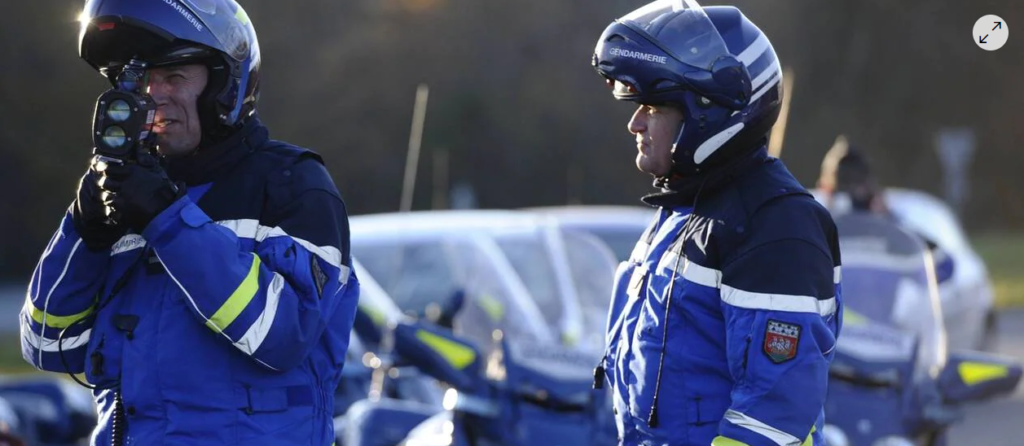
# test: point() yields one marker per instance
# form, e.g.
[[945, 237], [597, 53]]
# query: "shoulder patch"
[[781, 340]]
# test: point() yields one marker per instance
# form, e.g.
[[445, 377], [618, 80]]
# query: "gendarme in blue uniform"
[[753, 310], [724, 320], [226, 321]]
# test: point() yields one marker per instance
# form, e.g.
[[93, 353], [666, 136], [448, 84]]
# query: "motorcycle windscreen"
[[497, 302], [376, 311], [529, 255], [373, 300], [461, 280], [888, 279], [569, 276], [592, 265]]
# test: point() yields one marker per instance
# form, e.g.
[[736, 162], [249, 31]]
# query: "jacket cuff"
[[88, 263], [755, 433]]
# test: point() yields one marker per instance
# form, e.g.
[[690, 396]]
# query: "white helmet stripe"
[[765, 75], [755, 50], [715, 142], [768, 86]]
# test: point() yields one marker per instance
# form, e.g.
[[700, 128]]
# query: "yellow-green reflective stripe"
[[810, 441], [458, 355], [492, 307], [723, 441], [976, 372], [58, 321], [232, 307], [853, 318], [375, 315]]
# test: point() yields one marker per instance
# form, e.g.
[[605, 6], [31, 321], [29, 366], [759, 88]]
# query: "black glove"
[[134, 193], [88, 214]]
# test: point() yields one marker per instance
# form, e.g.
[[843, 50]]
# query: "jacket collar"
[[209, 163], [683, 191]]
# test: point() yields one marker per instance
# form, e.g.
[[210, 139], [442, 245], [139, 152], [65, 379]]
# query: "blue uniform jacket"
[[226, 321], [724, 320]]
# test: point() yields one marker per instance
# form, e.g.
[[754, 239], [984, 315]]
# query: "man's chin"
[[171, 150], [164, 150], [641, 162], [648, 166]]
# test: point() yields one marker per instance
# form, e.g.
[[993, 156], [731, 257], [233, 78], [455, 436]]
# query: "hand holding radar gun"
[[123, 124]]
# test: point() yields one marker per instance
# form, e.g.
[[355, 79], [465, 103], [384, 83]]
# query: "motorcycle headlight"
[[454, 400], [893, 441], [435, 440], [834, 436], [433, 432]]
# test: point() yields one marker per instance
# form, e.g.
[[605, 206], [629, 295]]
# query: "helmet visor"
[[681, 28], [224, 20], [229, 24]]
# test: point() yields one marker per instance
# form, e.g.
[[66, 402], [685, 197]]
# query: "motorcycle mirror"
[[444, 316]]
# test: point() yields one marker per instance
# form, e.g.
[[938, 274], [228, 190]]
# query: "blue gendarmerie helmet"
[[713, 63], [217, 33]]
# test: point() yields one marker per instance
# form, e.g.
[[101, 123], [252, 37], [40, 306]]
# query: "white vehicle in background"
[[507, 264], [967, 295], [619, 227]]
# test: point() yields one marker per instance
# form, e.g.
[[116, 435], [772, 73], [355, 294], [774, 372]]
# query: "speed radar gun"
[[123, 120]]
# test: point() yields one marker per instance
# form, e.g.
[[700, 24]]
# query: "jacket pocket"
[[275, 415], [646, 351], [706, 410], [104, 353]]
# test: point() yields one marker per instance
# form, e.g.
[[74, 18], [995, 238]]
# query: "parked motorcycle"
[[892, 382]]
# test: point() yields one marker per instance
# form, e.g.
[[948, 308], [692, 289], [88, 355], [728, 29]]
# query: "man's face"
[[656, 129], [176, 91]]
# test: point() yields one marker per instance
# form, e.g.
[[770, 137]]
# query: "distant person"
[[849, 184], [848, 181]]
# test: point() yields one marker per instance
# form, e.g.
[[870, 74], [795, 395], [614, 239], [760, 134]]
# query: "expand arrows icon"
[[999, 25], [991, 32]]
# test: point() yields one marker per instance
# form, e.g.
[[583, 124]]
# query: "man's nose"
[[159, 91], [638, 122]]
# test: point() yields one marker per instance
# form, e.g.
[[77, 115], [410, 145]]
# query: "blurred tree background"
[[518, 110]]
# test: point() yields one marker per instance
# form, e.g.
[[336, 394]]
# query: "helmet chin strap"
[[213, 130], [663, 180]]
